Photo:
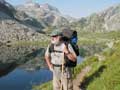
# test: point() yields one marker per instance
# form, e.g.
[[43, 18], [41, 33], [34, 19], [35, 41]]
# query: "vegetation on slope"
[[104, 74]]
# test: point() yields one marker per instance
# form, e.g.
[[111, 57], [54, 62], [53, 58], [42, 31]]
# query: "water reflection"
[[22, 55], [20, 79], [6, 68], [21, 67]]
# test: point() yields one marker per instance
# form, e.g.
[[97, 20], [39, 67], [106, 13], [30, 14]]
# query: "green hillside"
[[105, 75], [104, 63]]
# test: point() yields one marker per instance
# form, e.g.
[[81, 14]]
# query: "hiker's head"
[[56, 36]]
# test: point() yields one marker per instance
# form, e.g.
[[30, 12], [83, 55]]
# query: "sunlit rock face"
[[28, 21], [18, 26], [44, 13], [104, 21]]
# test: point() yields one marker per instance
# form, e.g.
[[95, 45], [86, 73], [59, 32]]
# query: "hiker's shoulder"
[[49, 45], [69, 45]]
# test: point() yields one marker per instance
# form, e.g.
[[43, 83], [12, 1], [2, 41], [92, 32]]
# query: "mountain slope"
[[107, 20], [14, 28], [7, 8], [46, 14]]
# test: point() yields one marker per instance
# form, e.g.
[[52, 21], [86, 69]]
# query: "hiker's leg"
[[67, 79], [56, 83], [70, 84], [56, 78], [67, 83]]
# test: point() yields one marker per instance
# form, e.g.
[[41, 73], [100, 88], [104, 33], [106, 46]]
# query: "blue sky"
[[74, 8]]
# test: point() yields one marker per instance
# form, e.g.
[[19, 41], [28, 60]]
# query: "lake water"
[[21, 67], [20, 79]]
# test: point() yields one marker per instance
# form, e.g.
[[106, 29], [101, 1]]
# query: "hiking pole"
[[62, 70]]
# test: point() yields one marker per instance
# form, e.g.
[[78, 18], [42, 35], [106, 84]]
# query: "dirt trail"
[[80, 77]]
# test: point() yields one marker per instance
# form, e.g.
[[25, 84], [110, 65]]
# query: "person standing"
[[54, 56]]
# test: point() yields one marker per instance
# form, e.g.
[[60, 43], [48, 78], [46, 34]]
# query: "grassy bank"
[[105, 73], [107, 76], [46, 86]]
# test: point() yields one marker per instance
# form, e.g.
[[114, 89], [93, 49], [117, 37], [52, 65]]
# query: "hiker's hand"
[[51, 68], [65, 50]]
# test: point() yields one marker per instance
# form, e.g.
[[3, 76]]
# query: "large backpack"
[[68, 37]]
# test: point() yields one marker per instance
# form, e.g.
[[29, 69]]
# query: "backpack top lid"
[[70, 35], [67, 32]]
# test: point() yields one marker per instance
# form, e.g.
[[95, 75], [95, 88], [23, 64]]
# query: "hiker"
[[54, 57]]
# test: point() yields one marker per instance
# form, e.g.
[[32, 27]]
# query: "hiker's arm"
[[69, 52], [71, 56], [47, 59]]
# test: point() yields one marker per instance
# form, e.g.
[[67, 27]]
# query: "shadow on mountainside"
[[13, 15]]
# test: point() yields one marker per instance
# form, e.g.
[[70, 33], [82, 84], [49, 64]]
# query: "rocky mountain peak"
[[37, 6], [32, 5], [106, 20], [46, 14], [46, 6]]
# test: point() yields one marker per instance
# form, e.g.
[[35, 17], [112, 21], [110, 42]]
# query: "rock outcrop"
[[14, 26], [106, 20], [46, 14]]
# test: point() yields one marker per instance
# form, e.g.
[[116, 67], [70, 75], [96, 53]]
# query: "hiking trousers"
[[64, 78]]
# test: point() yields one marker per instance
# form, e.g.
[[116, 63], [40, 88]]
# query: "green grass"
[[46, 86], [90, 38], [104, 35], [104, 75]]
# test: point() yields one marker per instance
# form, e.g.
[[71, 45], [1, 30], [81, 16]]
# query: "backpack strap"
[[68, 63], [51, 49]]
